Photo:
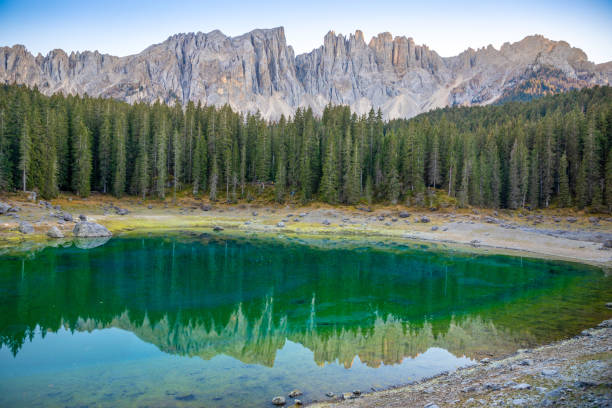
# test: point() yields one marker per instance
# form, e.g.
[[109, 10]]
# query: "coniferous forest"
[[553, 151]]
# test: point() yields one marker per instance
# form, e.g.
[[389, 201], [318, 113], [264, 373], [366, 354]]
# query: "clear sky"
[[122, 27]]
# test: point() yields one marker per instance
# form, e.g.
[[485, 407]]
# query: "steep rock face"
[[259, 71]]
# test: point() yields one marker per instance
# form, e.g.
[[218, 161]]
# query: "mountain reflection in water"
[[253, 300]]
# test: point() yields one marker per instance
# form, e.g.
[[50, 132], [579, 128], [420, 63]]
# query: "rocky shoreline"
[[576, 372]]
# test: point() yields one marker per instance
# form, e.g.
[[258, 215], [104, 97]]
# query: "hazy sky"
[[122, 27]]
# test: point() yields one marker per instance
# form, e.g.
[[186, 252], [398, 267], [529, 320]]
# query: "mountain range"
[[259, 71]]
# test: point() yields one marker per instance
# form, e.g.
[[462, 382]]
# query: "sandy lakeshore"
[[558, 235]]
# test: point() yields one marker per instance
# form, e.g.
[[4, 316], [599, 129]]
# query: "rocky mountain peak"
[[259, 71]]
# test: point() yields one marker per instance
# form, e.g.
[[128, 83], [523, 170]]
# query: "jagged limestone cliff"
[[259, 71]]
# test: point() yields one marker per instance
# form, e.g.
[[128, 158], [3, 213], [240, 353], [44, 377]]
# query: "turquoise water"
[[202, 321]]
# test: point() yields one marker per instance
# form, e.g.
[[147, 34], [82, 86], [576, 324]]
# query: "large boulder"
[[87, 229], [4, 208], [55, 232], [26, 228]]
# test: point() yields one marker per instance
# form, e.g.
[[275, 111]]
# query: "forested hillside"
[[553, 151]]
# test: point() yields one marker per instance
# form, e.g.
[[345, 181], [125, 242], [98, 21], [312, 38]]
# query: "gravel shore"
[[572, 373]]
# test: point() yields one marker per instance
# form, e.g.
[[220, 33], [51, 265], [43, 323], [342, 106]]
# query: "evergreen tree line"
[[555, 150]]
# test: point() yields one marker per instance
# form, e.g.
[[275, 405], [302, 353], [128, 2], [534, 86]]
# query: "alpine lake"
[[198, 319]]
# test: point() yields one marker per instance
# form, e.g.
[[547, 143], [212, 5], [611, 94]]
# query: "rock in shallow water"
[[89, 243], [86, 229], [278, 401], [295, 393]]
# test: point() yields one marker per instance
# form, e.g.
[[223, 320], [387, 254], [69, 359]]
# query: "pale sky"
[[129, 26]]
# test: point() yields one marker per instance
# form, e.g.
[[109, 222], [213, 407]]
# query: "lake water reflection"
[[167, 321]]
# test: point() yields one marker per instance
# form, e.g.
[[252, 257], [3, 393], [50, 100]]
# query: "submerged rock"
[[86, 229], [55, 232], [89, 243], [295, 393], [185, 397]]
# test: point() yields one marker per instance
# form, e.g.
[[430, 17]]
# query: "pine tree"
[[609, 181], [104, 152], [119, 155], [281, 173], [160, 159], [200, 162], [262, 169], [82, 159], [494, 186], [564, 193], [392, 161], [177, 150], [25, 145], [519, 175], [214, 178], [5, 181], [464, 189], [142, 159], [347, 150], [354, 179], [329, 181], [50, 168], [306, 175], [434, 160], [582, 193], [534, 185]]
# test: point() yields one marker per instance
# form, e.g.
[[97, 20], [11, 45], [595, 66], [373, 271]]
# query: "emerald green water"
[[169, 321]]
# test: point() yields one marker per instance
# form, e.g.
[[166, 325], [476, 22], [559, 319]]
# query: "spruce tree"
[[608, 195], [281, 173], [104, 152], [160, 158], [25, 145], [119, 155], [142, 159], [329, 181], [564, 193], [82, 159]]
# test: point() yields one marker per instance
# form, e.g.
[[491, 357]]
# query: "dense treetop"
[[556, 150]]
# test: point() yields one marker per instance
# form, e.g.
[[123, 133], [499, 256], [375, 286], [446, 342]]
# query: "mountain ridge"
[[259, 71]]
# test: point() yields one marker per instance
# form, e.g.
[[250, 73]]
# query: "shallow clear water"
[[167, 321]]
